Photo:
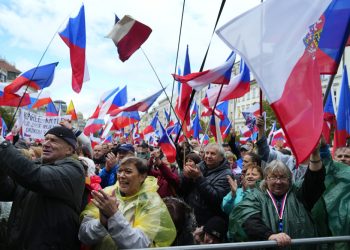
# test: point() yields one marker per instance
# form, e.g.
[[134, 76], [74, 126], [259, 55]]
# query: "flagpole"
[[202, 67], [212, 113], [154, 71], [42, 56], [177, 52]]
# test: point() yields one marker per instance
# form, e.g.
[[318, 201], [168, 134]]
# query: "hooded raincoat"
[[142, 221], [257, 206]]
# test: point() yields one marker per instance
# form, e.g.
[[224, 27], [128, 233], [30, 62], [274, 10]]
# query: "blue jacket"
[[109, 178]]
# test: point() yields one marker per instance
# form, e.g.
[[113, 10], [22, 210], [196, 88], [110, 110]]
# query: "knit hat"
[[217, 227], [194, 157], [65, 134]]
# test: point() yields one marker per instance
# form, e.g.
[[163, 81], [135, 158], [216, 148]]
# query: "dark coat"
[[46, 200], [205, 194]]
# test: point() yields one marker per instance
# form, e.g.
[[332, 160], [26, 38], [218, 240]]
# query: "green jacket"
[[332, 211], [297, 221]]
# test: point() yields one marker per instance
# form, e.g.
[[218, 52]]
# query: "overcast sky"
[[27, 26]]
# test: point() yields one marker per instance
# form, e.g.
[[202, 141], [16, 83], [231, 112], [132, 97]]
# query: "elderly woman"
[[253, 174], [128, 215], [280, 210]]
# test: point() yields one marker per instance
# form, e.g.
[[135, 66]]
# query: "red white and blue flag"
[[93, 125], [142, 105], [125, 119], [334, 36], [342, 131], [152, 126], [41, 100], [238, 86], [286, 65], [13, 100], [51, 110], [74, 36], [128, 35], [184, 94], [166, 144], [218, 75], [37, 78]]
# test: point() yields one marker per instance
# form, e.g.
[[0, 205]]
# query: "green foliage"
[[270, 115], [6, 113]]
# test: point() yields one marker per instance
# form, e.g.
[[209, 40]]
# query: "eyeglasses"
[[274, 178]]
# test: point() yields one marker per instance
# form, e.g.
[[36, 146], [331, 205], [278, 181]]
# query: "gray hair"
[[276, 166], [219, 148]]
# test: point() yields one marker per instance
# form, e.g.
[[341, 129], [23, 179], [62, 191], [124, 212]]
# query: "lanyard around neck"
[[279, 211]]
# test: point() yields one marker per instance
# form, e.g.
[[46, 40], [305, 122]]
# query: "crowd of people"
[[64, 194]]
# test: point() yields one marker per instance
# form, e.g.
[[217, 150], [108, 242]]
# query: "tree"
[[270, 115], [6, 113]]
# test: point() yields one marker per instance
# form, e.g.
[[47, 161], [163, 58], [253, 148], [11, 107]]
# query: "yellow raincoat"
[[145, 210]]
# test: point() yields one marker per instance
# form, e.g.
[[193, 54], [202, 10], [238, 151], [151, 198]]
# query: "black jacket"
[[46, 200], [205, 194]]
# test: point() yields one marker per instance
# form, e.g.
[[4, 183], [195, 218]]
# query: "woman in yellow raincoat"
[[129, 214]]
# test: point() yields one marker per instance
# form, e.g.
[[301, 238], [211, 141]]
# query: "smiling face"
[[251, 176], [54, 148], [278, 183], [129, 179]]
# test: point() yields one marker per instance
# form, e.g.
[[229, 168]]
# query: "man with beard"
[[99, 158]]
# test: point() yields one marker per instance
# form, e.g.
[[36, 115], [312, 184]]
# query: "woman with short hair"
[[280, 210], [129, 214]]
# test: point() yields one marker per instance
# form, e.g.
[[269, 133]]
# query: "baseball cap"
[[244, 147], [126, 148]]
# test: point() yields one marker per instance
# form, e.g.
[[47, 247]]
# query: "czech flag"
[[237, 87], [37, 78], [285, 69], [166, 144], [218, 75], [13, 100], [93, 125], [142, 105], [43, 99], [334, 35], [128, 35], [75, 37], [125, 119], [342, 131], [152, 127], [51, 110]]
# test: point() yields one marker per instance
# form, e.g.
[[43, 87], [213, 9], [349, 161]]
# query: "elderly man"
[[204, 185], [46, 195]]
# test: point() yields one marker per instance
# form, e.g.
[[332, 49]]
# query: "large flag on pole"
[[334, 35], [128, 35], [37, 78], [75, 37], [282, 58]]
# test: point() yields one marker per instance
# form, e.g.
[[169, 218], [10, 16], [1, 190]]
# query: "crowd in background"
[[120, 194]]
